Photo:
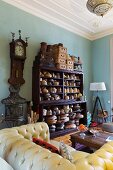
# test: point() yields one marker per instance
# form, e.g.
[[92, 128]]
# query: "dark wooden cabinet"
[[58, 98], [57, 94]]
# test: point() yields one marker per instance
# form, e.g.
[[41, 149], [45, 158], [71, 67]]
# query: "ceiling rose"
[[99, 7]]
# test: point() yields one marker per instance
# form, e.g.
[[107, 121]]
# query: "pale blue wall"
[[13, 19], [101, 67]]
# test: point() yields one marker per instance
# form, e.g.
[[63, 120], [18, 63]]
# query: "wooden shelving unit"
[[57, 97]]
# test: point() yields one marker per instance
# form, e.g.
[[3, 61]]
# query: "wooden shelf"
[[53, 69], [51, 78], [52, 85], [40, 105], [71, 93], [71, 79], [72, 86], [61, 102], [77, 64], [50, 93]]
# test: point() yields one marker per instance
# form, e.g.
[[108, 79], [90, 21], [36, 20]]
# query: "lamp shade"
[[97, 86]]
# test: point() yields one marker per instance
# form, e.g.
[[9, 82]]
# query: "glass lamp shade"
[[99, 7], [97, 86]]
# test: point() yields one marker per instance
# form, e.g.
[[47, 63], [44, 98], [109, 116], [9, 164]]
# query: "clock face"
[[19, 50]]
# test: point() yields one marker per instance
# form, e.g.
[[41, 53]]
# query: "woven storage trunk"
[[70, 62], [60, 61], [69, 67], [60, 56], [60, 49], [61, 66]]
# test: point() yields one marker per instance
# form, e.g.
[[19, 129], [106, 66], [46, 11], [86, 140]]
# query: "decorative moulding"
[[102, 34], [66, 23]]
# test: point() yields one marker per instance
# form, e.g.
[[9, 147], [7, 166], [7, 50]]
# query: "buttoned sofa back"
[[17, 148], [10, 135]]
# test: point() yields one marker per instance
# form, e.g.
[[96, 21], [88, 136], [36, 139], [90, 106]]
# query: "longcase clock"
[[18, 56]]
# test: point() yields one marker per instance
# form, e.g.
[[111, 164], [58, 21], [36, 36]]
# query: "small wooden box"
[[61, 66], [70, 62], [69, 67], [60, 61], [60, 49], [60, 55]]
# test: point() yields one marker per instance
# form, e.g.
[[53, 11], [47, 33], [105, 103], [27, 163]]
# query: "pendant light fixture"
[[99, 7]]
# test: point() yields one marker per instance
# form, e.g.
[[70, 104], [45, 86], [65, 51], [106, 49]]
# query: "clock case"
[[13, 45], [17, 63]]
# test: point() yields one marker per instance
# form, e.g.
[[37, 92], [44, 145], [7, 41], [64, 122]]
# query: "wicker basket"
[[61, 66], [60, 61], [70, 62], [60, 56], [69, 67], [60, 49]]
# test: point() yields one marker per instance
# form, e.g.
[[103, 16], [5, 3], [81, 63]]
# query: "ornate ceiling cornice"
[[62, 14]]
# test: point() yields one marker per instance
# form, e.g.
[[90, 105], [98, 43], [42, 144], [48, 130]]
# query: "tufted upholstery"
[[23, 154], [38, 130], [17, 148]]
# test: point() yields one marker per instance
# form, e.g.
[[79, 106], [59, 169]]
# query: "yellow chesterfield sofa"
[[17, 149]]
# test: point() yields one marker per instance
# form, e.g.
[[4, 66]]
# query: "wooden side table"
[[89, 140]]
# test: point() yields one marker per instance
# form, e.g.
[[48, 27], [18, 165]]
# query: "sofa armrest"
[[4, 165], [56, 144]]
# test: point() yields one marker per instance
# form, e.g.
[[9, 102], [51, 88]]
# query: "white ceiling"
[[69, 14]]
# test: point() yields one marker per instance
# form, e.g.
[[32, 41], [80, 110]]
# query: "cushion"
[[56, 144], [46, 145], [4, 165], [64, 152]]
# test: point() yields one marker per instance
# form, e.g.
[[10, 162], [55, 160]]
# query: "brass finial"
[[19, 34], [27, 39], [13, 36]]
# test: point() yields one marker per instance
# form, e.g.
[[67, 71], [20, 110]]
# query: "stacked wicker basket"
[[61, 58]]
